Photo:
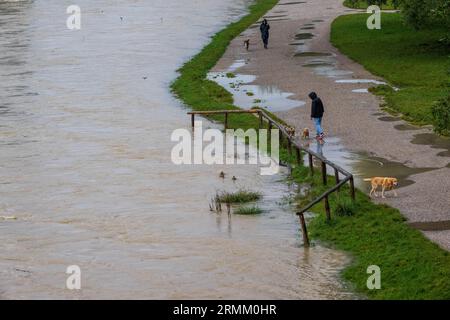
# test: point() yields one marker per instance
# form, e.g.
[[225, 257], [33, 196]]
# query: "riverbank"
[[354, 122], [412, 267], [399, 54]]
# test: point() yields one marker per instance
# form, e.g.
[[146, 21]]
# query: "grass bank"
[[362, 4], [409, 59], [412, 267]]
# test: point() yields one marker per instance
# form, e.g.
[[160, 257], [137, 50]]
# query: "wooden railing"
[[294, 146]]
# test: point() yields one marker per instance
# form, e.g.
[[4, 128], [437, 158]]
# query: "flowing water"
[[86, 176]]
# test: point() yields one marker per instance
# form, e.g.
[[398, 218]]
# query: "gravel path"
[[353, 117]]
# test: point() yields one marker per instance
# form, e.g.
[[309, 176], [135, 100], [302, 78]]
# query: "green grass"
[[248, 211], [412, 267], [411, 60], [241, 196], [362, 4]]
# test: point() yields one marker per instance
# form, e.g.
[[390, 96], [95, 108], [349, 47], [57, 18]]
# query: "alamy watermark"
[[73, 22], [374, 21], [374, 280], [213, 147], [73, 281]]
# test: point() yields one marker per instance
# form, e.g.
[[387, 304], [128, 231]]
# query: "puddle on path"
[[317, 63], [389, 119], [358, 81], [312, 54], [364, 90], [406, 127], [434, 141], [291, 3], [304, 36], [363, 165], [275, 16], [247, 95]]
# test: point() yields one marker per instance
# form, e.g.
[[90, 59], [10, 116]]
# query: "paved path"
[[350, 116]]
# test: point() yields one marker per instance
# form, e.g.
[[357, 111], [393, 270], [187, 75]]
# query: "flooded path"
[[86, 176], [360, 137]]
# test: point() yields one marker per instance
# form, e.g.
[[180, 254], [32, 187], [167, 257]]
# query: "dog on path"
[[290, 131], [305, 134], [247, 44], [386, 184]]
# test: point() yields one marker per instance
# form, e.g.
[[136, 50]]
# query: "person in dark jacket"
[[264, 28], [317, 112]]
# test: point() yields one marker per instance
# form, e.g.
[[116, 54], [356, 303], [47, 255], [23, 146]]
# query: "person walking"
[[264, 28], [317, 112]]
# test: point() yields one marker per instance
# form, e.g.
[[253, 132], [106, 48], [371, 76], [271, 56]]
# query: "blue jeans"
[[318, 124]]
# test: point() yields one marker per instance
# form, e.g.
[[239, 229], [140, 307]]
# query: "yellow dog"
[[386, 184]]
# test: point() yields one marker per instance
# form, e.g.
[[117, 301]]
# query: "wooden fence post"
[[299, 156], [193, 121], [324, 173], [336, 175], [352, 188], [311, 164], [304, 230], [327, 208], [226, 120]]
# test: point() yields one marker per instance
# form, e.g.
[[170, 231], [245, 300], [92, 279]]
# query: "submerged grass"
[[253, 210], [412, 267], [241, 196]]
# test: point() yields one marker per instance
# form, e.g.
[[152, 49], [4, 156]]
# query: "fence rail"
[[292, 146]]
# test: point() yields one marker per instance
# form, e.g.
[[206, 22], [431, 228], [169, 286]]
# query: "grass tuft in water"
[[241, 196], [254, 210]]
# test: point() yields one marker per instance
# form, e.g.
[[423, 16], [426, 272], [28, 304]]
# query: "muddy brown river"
[[86, 176]]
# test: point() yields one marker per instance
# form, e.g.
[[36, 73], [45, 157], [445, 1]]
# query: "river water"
[[86, 176]]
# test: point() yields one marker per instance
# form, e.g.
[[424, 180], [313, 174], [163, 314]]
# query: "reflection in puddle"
[[312, 54], [304, 36], [379, 167], [361, 90], [323, 67], [331, 72], [236, 65], [434, 141], [357, 81], [389, 119], [318, 63], [406, 127], [362, 165], [290, 3], [247, 95]]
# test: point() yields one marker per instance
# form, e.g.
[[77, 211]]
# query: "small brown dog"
[[247, 44], [386, 184], [290, 131], [305, 134]]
